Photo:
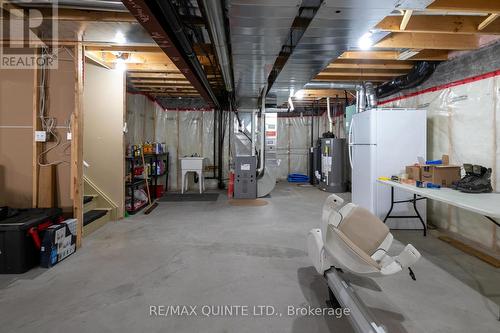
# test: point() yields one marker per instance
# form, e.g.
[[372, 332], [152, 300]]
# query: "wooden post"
[[77, 145], [37, 146]]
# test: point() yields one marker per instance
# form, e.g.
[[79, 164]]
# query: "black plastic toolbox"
[[18, 252]]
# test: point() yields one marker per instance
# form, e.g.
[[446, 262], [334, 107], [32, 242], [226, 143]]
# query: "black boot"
[[469, 175], [482, 182]]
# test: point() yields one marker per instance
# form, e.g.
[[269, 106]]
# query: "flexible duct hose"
[[420, 73]]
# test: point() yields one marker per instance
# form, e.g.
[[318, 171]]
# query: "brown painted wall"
[[103, 139]]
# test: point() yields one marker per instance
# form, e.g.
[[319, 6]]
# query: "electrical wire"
[[49, 124]]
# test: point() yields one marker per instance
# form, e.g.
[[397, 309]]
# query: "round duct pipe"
[[331, 85], [420, 73], [371, 96]]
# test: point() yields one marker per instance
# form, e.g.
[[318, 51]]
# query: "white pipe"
[[253, 127], [330, 120], [260, 171], [357, 101]]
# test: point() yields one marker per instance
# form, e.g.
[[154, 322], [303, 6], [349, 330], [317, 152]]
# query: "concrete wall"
[[16, 132], [103, 138]]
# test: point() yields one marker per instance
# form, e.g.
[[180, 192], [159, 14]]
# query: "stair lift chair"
[[351, 238]]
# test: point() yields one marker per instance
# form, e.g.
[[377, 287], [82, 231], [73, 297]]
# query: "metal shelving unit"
[[153, 178]]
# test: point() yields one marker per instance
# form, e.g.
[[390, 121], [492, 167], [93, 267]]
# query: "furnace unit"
[[245, 178]]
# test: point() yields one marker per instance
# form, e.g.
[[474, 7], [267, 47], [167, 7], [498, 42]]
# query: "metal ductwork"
[[97, 5], [360, 92], [371, 96], [331, 85], [259, 28], [420, 73], [215, 18]]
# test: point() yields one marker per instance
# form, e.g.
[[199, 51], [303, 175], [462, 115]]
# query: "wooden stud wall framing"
[[37, 146], [77, 145]]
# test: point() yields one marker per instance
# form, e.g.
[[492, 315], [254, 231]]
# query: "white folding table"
[[486, 204]]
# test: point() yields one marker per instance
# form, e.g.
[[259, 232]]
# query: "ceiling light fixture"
[[366, 41], [120, 38], [120, 65], [299, 94]]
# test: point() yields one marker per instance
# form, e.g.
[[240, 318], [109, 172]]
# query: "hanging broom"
[[154, 204]]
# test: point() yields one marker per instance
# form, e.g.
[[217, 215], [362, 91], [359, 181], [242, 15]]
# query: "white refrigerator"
[[382, 142]]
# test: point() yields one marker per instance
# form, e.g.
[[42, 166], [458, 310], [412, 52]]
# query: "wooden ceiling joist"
[[158, 67], [440, 24], [162, 83], [430, 55], [160, 93], [353, 78], [156, 87], [403, 40], [124, 48], [319, 93], [162, 89], [371, 64], [473, 6], [77, 15], [154, 75], [363, 71]]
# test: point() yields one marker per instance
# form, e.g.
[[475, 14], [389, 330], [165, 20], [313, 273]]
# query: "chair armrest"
[[408, 256]]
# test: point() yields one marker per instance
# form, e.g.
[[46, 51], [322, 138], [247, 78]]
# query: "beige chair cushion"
[[364, 229], [359, 252]]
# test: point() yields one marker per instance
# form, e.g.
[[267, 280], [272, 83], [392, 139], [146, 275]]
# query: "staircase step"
[[90, 203], [93, 215], [95, 219]]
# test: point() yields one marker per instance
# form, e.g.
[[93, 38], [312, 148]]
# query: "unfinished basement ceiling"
[[260, 28], [337, 27]]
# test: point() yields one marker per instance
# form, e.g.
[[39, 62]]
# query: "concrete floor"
[[210, 253]]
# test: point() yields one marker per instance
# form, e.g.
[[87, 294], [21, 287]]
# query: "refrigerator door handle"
[[350, 142], [350, 155], [350, 135]]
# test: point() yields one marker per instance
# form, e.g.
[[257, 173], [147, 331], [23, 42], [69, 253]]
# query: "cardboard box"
[[443, 175], [414, 172], [58, 243]]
